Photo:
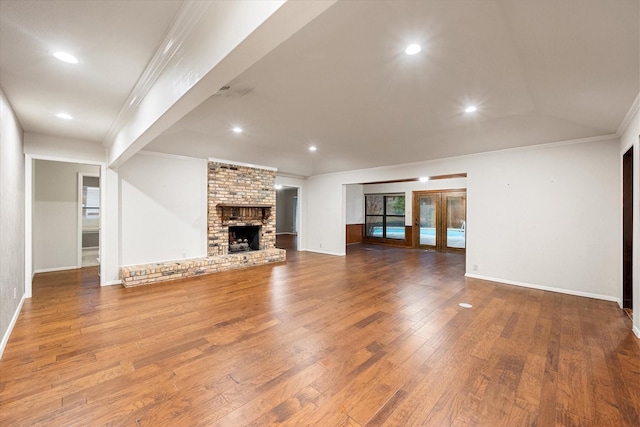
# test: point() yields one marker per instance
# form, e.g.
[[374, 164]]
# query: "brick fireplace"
[[240, 197]]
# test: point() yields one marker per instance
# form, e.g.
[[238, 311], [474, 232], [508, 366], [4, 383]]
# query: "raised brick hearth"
[[236, 196]]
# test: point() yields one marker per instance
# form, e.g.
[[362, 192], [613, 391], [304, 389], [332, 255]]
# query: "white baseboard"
[[546, 288], [48, 270], [14, 319], [112, 282], [636, 331], [323, 252]]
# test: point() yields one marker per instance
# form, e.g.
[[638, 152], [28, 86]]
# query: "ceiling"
[[539, 72]]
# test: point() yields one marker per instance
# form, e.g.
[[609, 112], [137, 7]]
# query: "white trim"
[[28, 225], [12, 324], [545, 288], [249, 165], [291, 175], [636, 331], [112, 282], [65, 159], [28, 194], [79, 219], [81, 176], [474, 155], [169, 155], [182, 26], [323, 252], [635, 106], [102, 270], [48, 270]]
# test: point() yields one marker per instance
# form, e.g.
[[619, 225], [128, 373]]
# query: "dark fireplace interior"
[[244, 238]]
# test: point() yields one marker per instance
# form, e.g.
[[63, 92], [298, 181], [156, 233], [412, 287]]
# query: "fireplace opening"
[[244, 238]]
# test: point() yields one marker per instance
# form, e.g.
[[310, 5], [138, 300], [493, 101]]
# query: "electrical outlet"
[[320, 245], [475, 267], [15, 293]]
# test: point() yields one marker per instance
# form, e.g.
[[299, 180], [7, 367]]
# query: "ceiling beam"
[[216, 42]]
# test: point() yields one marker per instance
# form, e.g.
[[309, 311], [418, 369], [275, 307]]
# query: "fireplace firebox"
[[244, 238]]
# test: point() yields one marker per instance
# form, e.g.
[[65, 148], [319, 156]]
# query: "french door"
[[439, 220]]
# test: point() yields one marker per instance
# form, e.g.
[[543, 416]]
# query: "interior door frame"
[[627, 228], [441, 214], [81, 176]]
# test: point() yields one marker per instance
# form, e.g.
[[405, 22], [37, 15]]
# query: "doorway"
[[287, 222], [88, 219], [439, 220], [627, 231]]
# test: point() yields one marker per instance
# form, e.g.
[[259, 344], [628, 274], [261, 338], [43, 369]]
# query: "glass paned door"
[[427, 220], [439, 220], [456, 205]]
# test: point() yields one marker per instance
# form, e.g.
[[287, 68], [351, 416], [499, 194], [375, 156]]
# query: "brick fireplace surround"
[[236, 196]]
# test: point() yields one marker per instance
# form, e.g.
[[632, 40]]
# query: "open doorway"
[[57, 231], [627, 232], [287, 218]]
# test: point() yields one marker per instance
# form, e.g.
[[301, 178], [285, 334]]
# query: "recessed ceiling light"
[[424, 178], [64, 116], [237, 129], [412, 49], [313, 148], [278, 186], [65, 57], [471, 109]]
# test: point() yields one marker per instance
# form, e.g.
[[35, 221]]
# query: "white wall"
[[547, 216], [55, 214], [39, 145], [630, 137], [12, 230], [354, 204], [163, 208]]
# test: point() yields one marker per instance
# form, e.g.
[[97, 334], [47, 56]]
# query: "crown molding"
[[635, 107], [524, 148], [248, 165], [182, 25]]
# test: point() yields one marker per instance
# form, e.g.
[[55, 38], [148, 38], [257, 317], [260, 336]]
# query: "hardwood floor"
[[374, 338]]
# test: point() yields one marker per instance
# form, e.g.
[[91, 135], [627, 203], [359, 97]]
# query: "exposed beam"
[[226, 39]]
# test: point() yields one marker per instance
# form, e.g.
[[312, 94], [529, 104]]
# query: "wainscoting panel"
[[354, 233]]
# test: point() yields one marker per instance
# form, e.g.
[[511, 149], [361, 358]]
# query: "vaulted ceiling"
[[538, 72]]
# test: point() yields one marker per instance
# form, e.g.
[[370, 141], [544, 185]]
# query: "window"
[[384, 216]]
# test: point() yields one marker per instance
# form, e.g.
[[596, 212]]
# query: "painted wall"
[[12, 230], [285, 200], [630, 137], [39, 145], [163, 208], [354, 204], [546, 216], [55, 214]]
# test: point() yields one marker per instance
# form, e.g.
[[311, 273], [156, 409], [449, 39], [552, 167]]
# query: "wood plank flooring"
[[376, 338]]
